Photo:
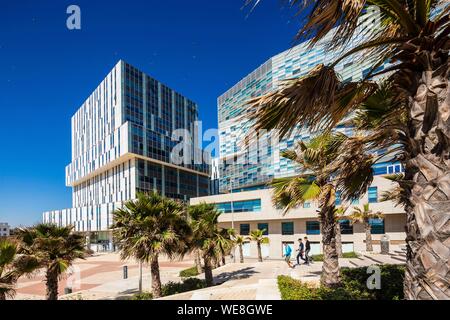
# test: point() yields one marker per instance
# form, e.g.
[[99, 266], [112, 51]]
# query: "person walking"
[[307, 250], [301, 250], [287, 255]]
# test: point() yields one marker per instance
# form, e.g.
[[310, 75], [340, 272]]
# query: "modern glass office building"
[[249, 168], [122, 144], [245, 200]]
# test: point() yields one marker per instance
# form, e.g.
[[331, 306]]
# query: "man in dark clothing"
[[307, 250], [301, 250]]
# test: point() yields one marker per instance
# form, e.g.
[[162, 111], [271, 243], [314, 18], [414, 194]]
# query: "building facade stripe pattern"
[[122, 144]]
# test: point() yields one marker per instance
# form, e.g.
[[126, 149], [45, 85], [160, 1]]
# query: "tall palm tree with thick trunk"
[[260, 239], [55, 249], [12, 266], [414, 36], [151, 226], [315, 183], [363, 215], [212, 241]]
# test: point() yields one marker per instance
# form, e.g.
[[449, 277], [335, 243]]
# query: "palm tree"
[[339, 214], [314, 183], [150, 226], [54, 248], [259, 238], [208, 237], [198, 260], [415, 37], [12, 266], [239, 241], [363, 215]]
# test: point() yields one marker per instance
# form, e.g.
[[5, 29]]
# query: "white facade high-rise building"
[[121, 145]]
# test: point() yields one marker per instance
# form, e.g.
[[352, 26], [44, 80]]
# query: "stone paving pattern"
[[101, 278]]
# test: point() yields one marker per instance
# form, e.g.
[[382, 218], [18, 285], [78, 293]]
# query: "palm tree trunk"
[[330, 268], [2, 296], [216, 262], [241, 254], [338, 240], [223, 260], [427, 275], [51, 281], [369, 247], [198, 261], [258, 244], [156, 278], [208, 271]]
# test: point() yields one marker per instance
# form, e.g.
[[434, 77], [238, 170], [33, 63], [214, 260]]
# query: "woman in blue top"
[[287, 255]]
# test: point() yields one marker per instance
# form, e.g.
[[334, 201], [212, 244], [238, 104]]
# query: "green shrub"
[[392, 277], [292, 289], [353, 286], [178, 287], [317, 257], [191, 272], [171, 288], [143, 296], [346, 255], [349, 255]]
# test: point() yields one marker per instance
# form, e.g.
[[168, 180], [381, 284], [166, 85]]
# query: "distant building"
[[4, 229], [215, 176]]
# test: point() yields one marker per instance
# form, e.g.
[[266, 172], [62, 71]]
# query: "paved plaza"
[[101, 278]]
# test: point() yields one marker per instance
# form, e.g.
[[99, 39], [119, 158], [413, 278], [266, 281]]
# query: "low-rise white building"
[[4, 229], [250, 210]]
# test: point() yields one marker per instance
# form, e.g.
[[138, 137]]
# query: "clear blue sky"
[[199, 47]]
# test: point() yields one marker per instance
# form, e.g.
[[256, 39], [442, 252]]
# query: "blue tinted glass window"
[[376, 226], [247, 206], [307, 205], [224, 207], [373, 194], [355, 201], [346, 226], [244, 229], [312, 227], [287, 228], [264, 226]]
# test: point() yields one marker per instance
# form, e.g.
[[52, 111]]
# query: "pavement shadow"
[[127, 294], [243, 273]]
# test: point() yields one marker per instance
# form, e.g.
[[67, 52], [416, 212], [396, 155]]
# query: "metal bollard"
[[125, 272], [384, 244]]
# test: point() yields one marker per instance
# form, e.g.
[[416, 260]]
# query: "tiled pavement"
[[101, 278], [258, 281]]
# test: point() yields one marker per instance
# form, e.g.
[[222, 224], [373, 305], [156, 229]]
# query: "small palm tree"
[[339, 214], [314, 183], [12, 266], [55, 249], [239, 241], [213, 242], [259, 238], [150, 226], [363, 216]]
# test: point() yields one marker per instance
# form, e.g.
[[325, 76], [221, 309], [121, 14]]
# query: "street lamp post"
[[232, 218], [140, 276]]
